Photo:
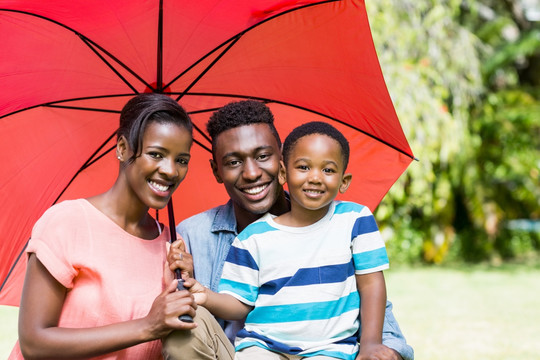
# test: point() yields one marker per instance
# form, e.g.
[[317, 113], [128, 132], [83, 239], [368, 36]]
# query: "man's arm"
[[393, 337], [394, 346]]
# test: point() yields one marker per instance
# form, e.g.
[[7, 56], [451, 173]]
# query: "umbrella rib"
[[198, 129], [86, 41], [99, 51], [127, 68], [118, 112], [203, 135], [344, 123], [83, 37], [268, 100], [87, 163], [13, 266], [159, 61], [231, 44], [92, 160], [236, 37], [52, 103], [81, 108], [202, 145], [201, 59], [232, 41], [204, 111]]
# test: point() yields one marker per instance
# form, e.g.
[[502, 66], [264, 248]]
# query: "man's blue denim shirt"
[[210, 248]]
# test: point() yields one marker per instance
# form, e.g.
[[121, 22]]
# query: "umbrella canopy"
[[67, 68]]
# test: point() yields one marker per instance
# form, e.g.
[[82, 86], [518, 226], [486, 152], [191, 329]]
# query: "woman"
[[95, 284]]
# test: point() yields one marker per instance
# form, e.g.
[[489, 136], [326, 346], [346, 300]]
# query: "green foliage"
[[508, 53], [472, 119], [506, 165], [517, 243]]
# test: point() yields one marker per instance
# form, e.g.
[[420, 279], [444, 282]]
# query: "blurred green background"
[[462, 224], [464, 77]]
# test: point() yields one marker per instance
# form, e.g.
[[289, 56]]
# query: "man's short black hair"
[[316, 127], [240, 113]]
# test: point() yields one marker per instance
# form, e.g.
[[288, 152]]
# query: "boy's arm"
[[224, 306], [372, 291]]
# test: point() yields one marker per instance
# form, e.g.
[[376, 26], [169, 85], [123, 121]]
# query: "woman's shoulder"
[[67, 207], [71, 204], [64, 212]]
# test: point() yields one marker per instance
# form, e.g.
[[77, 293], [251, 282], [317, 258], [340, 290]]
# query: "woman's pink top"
[[111, 276]]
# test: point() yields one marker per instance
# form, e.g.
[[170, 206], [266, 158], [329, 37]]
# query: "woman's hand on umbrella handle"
[[179, 258], [166, 309]]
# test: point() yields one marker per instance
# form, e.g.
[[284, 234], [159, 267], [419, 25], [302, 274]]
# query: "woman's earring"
[[119, 158]]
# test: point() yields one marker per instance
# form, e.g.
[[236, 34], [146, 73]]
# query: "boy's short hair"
[[316, 127], [240, 113]]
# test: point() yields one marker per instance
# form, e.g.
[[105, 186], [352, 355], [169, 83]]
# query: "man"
[[246, 151]]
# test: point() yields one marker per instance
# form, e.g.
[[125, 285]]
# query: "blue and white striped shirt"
[[301, 281]]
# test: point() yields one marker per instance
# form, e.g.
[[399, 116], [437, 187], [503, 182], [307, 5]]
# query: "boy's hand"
[[377, 352], [197, 290], [179, 258]]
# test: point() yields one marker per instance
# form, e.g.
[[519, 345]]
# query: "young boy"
[[302, 300]]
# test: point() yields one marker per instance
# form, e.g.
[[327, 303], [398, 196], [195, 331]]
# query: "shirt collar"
[[225, 219]]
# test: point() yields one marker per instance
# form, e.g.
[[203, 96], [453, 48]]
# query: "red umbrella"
[[67, 68]]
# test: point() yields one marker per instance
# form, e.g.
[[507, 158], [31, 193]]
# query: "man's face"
[[247, 163]]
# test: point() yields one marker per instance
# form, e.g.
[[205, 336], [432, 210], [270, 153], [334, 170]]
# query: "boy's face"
[[247, 163], [315, 173]]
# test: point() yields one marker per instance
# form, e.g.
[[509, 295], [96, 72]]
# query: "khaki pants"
[[206, 342], [255, 352]]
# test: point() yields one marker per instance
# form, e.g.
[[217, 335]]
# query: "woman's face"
[[161, 165]]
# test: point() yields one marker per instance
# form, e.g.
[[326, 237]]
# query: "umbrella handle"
[[177, 272]]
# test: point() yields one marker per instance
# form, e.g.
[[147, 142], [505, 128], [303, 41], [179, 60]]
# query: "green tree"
[[472, 120]]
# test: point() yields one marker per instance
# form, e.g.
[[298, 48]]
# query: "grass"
[[471, 313], [8, 329], [464, 313]]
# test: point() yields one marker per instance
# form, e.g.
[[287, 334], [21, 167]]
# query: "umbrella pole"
[[172, 229]]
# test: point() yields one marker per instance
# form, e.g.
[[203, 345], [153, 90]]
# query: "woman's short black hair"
[[144, 109], [316, 127]]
